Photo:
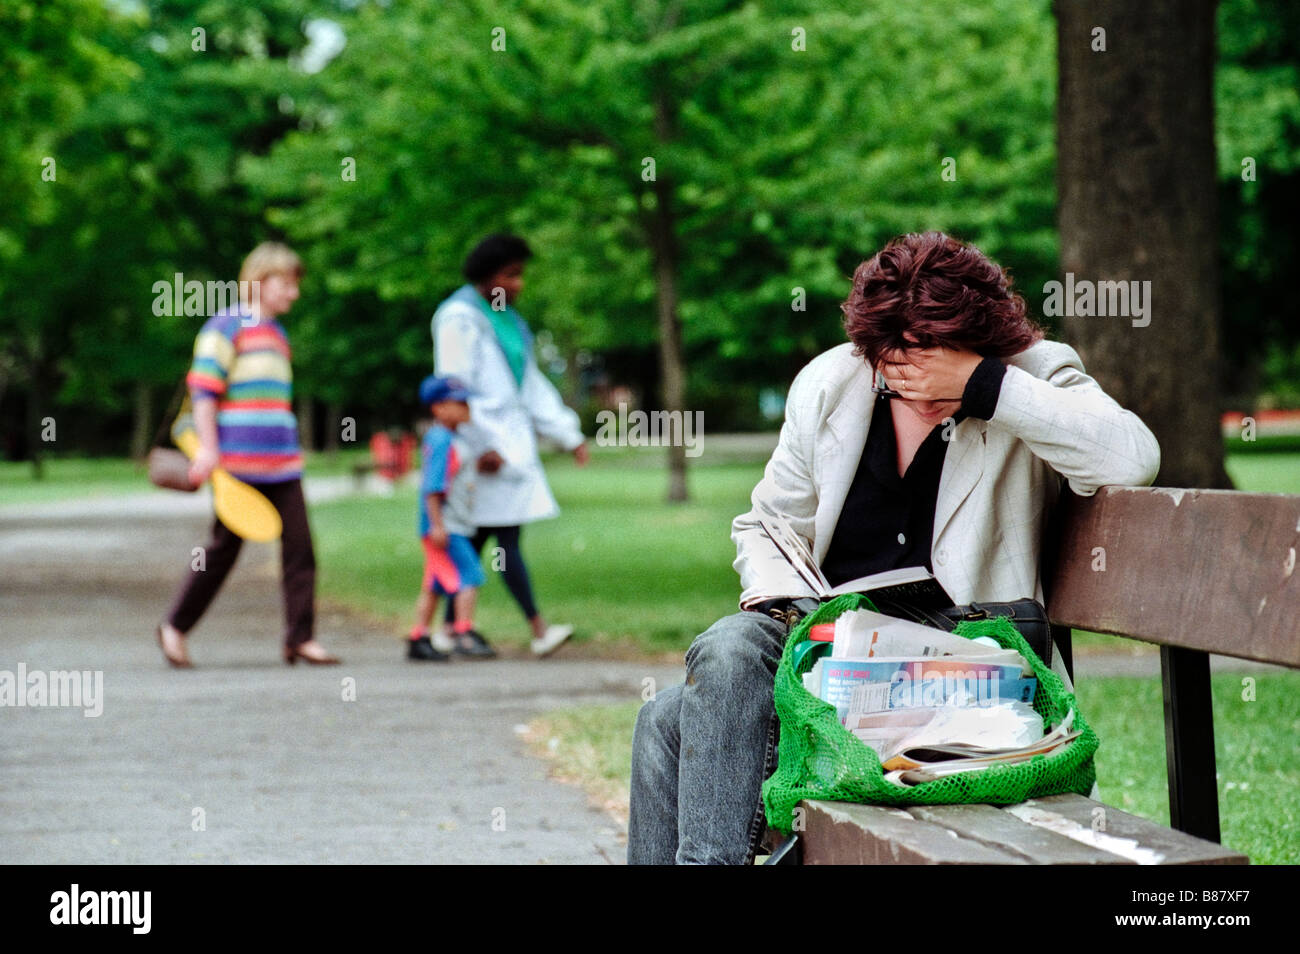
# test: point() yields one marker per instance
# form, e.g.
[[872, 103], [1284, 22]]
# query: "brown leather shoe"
[[173, 647], [310, 652]]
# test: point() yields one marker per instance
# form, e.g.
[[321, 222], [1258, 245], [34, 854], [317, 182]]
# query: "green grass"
[[1265, 473], [68, 478], [592, 747], [1262, 444], [1257, 749], [1264, 467], [338, 463]]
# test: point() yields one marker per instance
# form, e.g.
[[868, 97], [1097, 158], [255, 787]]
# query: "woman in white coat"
[[479, 338]]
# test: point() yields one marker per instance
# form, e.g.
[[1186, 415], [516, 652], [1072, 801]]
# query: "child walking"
[[451, 564]]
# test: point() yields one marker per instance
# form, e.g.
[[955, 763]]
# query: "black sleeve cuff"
[[980, 399]]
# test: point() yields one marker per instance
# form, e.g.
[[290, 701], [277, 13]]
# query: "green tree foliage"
[[48, 72], [1257, 128], [795, 140], [147, 157], [789, 140]]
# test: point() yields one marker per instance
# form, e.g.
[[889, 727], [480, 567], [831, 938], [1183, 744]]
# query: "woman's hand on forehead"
[[929, 374]]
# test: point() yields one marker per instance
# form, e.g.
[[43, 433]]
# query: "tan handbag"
[[168, 467]]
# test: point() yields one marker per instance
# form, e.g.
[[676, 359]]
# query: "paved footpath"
[[245, 759]]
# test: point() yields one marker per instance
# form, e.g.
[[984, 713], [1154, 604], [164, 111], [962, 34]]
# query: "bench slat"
[[1200, 569], [1004, 831], [1038, 831], [1176, 847], [841, 833]]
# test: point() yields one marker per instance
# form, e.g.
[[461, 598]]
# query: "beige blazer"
[[1000, 477]]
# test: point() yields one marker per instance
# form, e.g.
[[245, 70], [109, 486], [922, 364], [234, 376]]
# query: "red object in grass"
[[392, 459], [383, 455], [405, 453]]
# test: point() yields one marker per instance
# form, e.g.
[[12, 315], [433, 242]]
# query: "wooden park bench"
[[1193, 571]]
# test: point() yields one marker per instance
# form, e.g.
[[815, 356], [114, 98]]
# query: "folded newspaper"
[[913, 764]]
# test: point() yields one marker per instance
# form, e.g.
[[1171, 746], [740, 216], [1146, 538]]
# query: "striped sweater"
[[245, 367]]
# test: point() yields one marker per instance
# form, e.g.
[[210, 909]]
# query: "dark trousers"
[[297, 563], [513, 571]]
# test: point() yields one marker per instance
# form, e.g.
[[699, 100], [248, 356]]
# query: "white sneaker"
[[442, 641], [552, 640]]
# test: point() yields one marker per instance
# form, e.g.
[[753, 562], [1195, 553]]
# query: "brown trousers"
[[297, 563]]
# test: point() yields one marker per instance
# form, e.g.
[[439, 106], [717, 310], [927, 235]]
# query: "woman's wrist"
[[980, 396]]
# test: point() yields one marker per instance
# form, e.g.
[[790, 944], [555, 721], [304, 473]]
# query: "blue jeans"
[[700, 751]]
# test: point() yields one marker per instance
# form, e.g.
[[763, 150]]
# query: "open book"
[[913, 584]]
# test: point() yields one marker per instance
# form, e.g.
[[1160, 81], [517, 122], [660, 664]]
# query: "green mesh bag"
[[819, 758]]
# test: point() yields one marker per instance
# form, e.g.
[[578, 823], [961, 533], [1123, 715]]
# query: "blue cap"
[[434, 389]]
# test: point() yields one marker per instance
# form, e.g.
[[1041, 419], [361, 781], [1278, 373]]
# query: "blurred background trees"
[[698, 181]]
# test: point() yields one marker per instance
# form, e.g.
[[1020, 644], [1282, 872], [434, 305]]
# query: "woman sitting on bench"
[[938, 436]]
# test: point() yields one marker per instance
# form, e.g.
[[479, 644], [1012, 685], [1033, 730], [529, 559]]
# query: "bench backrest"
[[1210, 570]]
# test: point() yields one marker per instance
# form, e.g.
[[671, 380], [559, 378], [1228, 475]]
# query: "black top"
[[888, 521]]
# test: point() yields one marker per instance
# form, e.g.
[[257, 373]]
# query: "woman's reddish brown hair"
[[926, 290]]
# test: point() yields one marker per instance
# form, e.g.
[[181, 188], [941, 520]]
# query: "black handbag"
[[1029, 617]]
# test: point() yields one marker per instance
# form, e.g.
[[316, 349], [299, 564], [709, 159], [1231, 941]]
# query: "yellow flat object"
[[240, 506]]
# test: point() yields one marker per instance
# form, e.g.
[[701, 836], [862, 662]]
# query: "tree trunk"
[[307, 423], [333, 427], [142, 424], [663, 242], [38, 409], [1136, 178]]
